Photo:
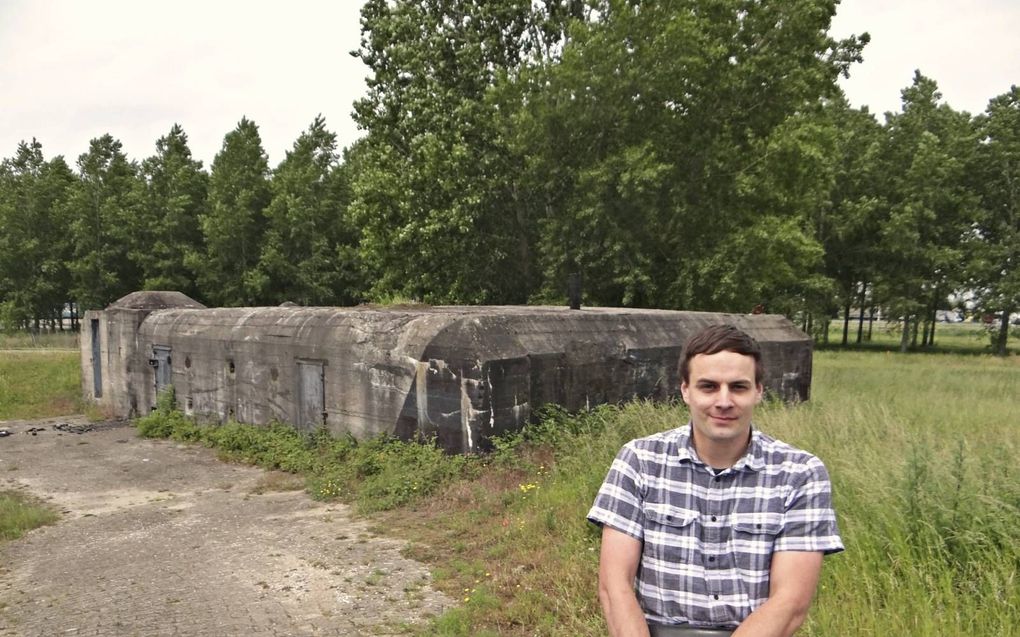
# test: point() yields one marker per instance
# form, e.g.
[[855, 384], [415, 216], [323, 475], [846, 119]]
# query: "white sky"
[[71, 70]]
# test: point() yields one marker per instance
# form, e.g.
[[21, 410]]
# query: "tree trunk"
[[846, 322], [931, 336], [860, 314], [924, 337], [1003, 335], [905, 338], [871, 321]]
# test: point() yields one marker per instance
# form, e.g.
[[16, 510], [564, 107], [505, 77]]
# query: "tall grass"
[[39, 383], [921, 451], [46, 340]]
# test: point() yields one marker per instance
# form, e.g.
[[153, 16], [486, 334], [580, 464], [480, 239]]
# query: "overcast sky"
[[71, 70]]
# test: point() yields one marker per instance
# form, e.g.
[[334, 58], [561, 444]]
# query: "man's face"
[[721, 395]]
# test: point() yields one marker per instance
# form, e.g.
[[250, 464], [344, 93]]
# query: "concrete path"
[[158, 538]]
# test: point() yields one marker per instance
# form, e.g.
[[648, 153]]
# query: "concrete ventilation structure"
[[461, 374]]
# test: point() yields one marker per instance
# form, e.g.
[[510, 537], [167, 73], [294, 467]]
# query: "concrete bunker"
[[461, 374]]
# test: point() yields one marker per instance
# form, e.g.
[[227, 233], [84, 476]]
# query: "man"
[[723, 527]]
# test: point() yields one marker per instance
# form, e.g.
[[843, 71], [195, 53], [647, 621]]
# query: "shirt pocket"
[[671, 535], [754, 537]]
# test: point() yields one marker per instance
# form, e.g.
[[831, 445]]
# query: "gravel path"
[[158, 538]]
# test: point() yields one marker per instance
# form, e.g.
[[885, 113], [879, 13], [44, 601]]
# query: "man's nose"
[[724, 399]]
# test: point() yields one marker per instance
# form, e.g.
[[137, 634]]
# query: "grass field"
[[39, 383], [47, 340], [921, 448], [959, 338]]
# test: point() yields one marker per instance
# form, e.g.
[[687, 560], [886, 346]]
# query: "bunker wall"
[[460, 374]]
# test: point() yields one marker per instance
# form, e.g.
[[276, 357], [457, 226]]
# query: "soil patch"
[[159, 538]]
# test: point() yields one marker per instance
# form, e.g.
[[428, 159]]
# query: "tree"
[[654, 139], [105, 228], [234, 220], [308, 228], [34, 241], [436, 190], [929, 206], [849, 225], [994, 243], [173, 201]]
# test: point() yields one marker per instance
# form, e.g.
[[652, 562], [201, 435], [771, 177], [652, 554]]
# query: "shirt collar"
[[753, 460]]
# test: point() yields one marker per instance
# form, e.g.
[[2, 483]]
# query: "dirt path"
[[158, 538]]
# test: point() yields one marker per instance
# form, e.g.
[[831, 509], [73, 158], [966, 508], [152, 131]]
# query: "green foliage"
[[379, 474], [993, 249], [19, 515], [309, 233], [174, 198], [34, 237], [683, 155], [234, 222], [105, 232]]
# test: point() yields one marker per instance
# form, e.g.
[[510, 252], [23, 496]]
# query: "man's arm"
[[618, 564], [793, 579]]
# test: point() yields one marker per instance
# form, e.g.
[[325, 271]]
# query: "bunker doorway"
[[97, 360], [161, 365], [311, 395]]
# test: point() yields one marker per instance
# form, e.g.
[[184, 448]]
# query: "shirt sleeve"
[[618, 503], [810, 521]]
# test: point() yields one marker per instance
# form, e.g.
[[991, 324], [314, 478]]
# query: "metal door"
[[311, 395], [161, 363], [97, 361]]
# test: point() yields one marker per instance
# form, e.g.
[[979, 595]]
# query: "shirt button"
[[711, 558], [715, 597], [714, 518]]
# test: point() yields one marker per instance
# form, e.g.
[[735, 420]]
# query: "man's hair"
[[720, 338]]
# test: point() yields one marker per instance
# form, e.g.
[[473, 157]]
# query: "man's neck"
[[720, 455]]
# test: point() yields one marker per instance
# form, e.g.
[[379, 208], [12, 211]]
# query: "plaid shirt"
[[708, 538]]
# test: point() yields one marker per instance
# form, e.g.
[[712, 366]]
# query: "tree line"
[[692, 155]]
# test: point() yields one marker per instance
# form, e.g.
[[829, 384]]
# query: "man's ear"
[[759, 391], [683, 391]]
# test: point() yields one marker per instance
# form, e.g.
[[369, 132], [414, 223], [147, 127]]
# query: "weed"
[[19, 514]]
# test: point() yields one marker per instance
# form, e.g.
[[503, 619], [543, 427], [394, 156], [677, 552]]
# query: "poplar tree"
[[234, 221], [105, 228], [928, 205], [173, 201], [436, 186], [301, 257], [994, 243], [679, 162], [34, 237]]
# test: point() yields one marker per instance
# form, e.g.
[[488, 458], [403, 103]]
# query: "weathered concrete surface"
[[461, 374], [161, 539]]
